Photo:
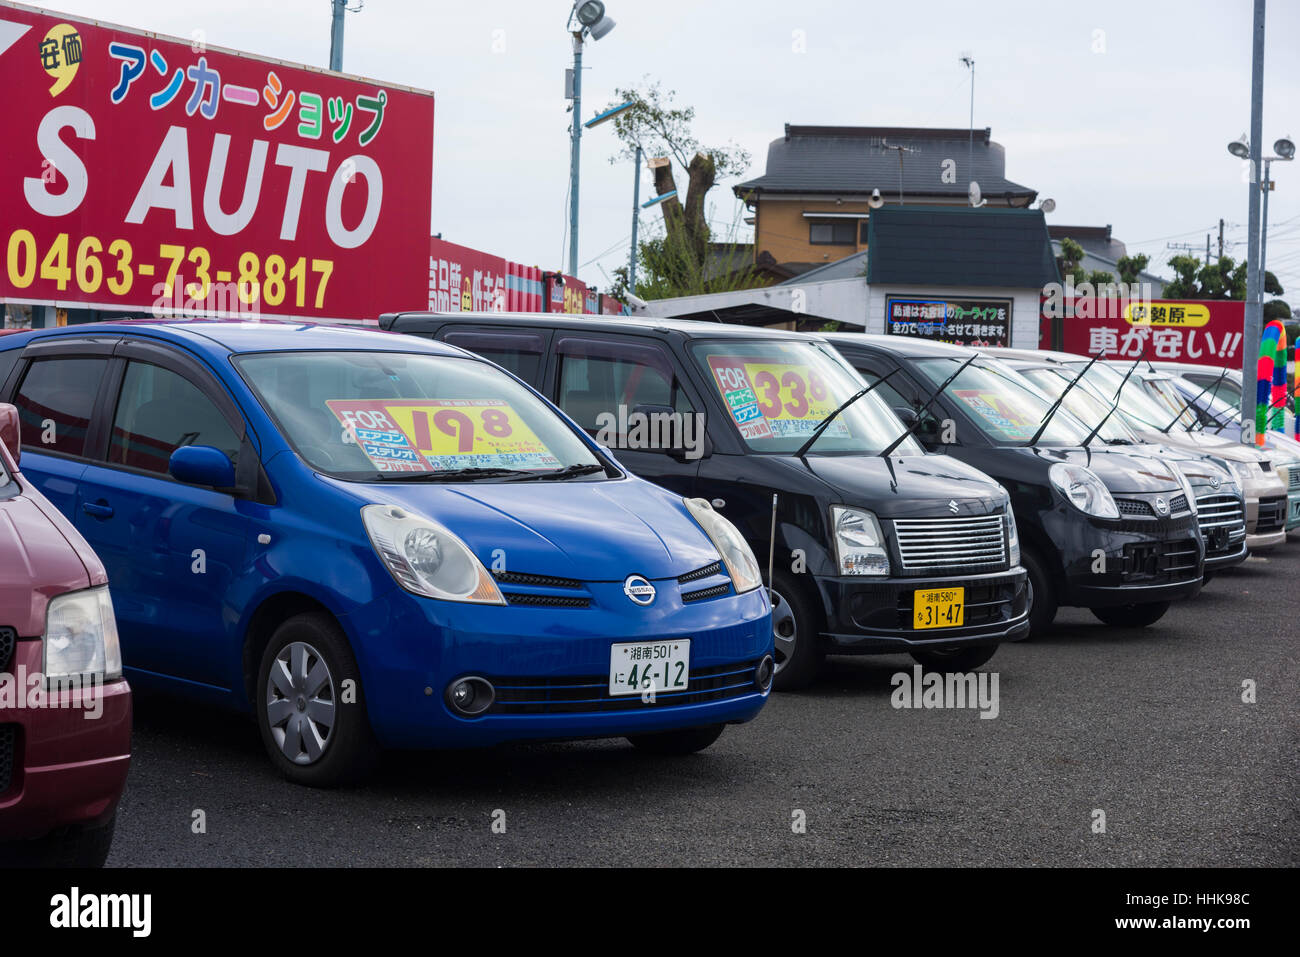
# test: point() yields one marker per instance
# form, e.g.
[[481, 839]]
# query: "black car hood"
[[907, 485], [1124, 472]]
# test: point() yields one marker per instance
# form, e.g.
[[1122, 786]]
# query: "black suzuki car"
[[878, 546], [1113, 531]]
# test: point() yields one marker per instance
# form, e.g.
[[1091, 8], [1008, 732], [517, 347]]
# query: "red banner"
[[1202, 332], [140, 172]]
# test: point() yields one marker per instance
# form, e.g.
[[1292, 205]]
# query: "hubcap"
[[785, 630], [300, 703]]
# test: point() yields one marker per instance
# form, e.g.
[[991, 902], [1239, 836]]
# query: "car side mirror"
[[906, 416], [11, 430], [202, 465]]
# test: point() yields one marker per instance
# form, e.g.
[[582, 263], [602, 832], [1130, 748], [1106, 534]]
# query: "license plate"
[[939, 608], [638, 667]]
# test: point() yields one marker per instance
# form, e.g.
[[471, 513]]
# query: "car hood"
[[593, 531], [1124, 472], [907, 485], [1198, 466], [42, 558], [1205, 442]]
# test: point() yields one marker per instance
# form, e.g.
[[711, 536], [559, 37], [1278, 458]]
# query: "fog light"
[[470, 696], [764, 672]]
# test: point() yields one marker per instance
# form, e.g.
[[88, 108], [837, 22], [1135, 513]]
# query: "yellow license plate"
[[939, 608]]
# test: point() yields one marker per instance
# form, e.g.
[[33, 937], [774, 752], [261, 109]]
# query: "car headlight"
[[859, 545], [1233, 484], [1243, 470], [426, 558], [1013, 536], [1085, 490], [736, 554], [81, 636], [1188, 491]]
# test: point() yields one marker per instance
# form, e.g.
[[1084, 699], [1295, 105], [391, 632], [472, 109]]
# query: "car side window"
[[158, 412], [517, 352], [600, 376], [7, 361], [56, 401]]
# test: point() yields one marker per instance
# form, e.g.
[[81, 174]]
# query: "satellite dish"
[[1047, 205], [976, 198], [876, 201]]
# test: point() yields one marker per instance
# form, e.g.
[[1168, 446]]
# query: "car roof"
[[913, 346], [236, 336], [687, 328], [1178, 368]]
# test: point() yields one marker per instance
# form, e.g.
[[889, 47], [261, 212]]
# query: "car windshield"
[[1139, 409], [1005, 407], [1166, 393], [1083, 404], [367, 415], [778, 391]]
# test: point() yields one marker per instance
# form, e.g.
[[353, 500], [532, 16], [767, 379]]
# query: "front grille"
[[1178, 504], [8, 640], [542, 581], [590, 694], [951, 543], [1272, 516], [1293, 478], [1161, 562], [703, 593], [1134, 506], [1223, 523], [8, 755], [546, 601], [708, 571]]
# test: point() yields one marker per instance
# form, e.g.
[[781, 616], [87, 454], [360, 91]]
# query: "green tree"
[[1130, 267], [680, 259]]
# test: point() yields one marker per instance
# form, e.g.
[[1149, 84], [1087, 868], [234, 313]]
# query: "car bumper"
[[865, 616], [1266, 522], [70, 756], [550, 666], [1218, 562], [1293, 509]]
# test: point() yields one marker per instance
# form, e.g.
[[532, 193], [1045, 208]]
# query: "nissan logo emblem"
[[1162, 506], [639, 589]]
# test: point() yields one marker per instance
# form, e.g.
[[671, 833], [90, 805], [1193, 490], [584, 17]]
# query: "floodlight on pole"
[[1284, 148], [586, 18], [1240, 147]]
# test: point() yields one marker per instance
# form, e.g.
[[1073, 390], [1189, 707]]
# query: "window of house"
[[838, 232]]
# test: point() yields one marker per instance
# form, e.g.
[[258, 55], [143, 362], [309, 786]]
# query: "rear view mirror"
[[10, 431], [202, 465]]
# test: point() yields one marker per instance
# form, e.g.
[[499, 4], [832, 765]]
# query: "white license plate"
[[637, 667]]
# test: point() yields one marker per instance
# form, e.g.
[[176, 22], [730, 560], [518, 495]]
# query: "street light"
[[585, 18], [1240, 147], [1284, 150]]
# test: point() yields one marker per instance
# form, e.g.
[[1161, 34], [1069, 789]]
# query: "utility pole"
[[575, 152], [336, 35], [970, 150], [1254, 308], [636, 210], [1220, 237]]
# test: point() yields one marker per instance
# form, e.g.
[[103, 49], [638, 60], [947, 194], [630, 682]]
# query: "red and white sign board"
[[1203, 332], [151, 173]]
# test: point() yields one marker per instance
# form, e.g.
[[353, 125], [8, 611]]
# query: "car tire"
[[796, 629], [1133, 616], [956, 660], [1041, 595], [678, 743], [293, 711]]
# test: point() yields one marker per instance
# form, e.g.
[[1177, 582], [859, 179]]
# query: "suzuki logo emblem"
[[953, 506], [639, 589]]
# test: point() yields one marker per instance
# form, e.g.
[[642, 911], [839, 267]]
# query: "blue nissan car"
[[374, 541]]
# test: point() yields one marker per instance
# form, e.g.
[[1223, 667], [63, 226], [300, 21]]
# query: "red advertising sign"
[[141, 172], [1204, 333]]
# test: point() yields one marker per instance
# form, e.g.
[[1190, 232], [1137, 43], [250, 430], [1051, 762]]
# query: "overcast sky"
[[1120, 111]]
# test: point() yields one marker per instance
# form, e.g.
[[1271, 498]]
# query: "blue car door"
[[172, 550]]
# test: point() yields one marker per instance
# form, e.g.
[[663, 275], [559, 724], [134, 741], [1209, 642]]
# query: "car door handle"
[[97, 509]]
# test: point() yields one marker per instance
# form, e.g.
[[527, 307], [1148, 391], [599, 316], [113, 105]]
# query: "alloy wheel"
[[300, 703]]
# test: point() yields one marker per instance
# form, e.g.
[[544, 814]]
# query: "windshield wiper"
[[1061, 398], [817, 432], [569, 471], [448, 475], [1113, 406], [884, 453], [1188, 404]]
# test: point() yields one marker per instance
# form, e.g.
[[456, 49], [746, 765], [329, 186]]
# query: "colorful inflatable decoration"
[[1277, 396], [1264, 380], [1296, 406]]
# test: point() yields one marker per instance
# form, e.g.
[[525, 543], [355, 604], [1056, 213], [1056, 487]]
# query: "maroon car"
[[65, 712]]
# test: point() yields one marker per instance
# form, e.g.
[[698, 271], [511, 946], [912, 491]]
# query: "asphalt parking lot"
[[1147, 726]]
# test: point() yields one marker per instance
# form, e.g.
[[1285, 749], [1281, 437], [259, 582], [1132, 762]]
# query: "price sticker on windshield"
[[427, 435], [775, 398], [994, 410]]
